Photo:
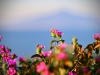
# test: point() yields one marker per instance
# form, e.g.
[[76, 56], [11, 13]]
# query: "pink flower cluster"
[[5, 52], [39, 49], [9, 59], [11, 67], [12, 63], [61, 56], [62, 46], [21, 59], [11, 71], [43, 69], [40, 46], [71, 73], [59, 33], [56, 33], [47, 53], [97, 36], [55, 63]]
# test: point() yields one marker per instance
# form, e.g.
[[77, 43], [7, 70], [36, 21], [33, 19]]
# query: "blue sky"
[[25, 23]]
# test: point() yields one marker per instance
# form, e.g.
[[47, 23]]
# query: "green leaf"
[[4, 66]]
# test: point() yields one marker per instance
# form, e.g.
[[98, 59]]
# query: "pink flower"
[[44, 54], [63, 46], [6, 57], [97, 36], [1, 51], [12, 62], [52, 30], [7, 51], [2, 47], [48, 53], [0, 38], [21, 59], [71, 73], [11, 71], [39, 49], [41, 67], [53, 33], [61, 56], [42, 46], [59, 33], [56, 33]]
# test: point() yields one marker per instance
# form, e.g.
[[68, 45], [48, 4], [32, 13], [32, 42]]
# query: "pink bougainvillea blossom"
[[52, 30], [1, 51], [11, 71], [59, 33], [21, 59], [6, 57], [71, 73], [7, 51], [12, 62], [97, 36], [53, 33], [42, 46], [62, 46], [47, 53], [2, 47], [39, 49], [41, 67], [61, 56]]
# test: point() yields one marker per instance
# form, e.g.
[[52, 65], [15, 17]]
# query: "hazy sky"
[[80, 17], [13, 12]]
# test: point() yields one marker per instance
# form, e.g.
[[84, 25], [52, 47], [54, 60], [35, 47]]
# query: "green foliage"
[[64, 60]]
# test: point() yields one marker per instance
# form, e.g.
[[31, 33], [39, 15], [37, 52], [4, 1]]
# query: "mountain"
[[33, 31], [60, 20]]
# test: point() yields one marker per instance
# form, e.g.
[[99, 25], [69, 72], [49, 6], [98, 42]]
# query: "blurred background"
[[26, 23]]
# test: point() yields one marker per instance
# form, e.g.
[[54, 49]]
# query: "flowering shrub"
[[56, 61]]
